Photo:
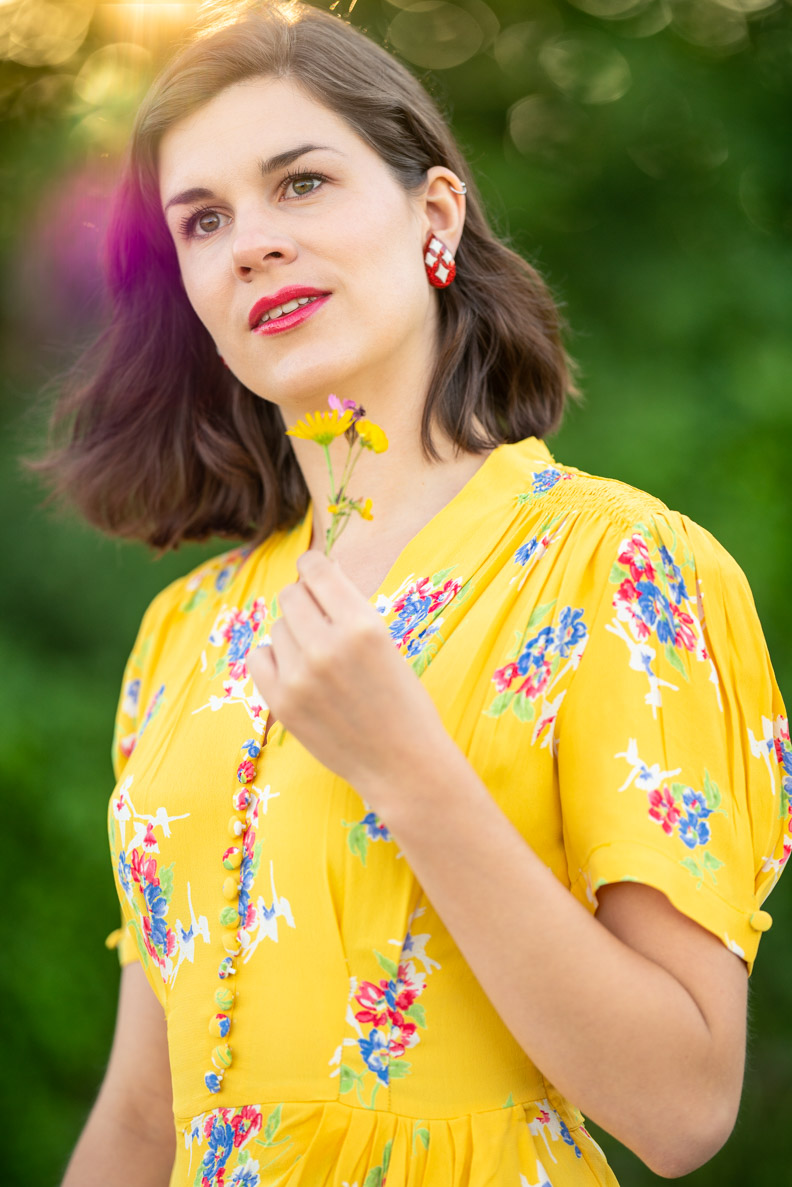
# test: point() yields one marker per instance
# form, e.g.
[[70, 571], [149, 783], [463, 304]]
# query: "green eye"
[[304, 186]]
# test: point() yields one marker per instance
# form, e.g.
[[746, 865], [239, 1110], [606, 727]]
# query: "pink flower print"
[[663, 809], [144, 869], [246, 771], [625, 600], [685, 636], [537, 680], [127, 745], [149, 840], [635, 557], [372, 998], [504, 676], [441, 597], [246, 1123]]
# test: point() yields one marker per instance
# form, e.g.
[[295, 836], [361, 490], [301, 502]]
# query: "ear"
[[443, 210]]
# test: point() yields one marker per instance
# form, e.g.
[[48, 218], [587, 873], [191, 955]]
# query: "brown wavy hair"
[[152, 438]]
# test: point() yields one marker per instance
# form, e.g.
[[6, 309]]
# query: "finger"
[[262, 664], [335, 593], [307, 622]]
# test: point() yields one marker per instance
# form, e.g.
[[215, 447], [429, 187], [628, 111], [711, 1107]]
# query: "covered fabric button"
[[241, 799], [252, 747], [232, 858], [227, 968], [229, 917], [219, 1025], [231, 888], [231, 943], [761, 921], [212, 1081], [221, 1056], [224, 998], [246, 771], [236, 827]]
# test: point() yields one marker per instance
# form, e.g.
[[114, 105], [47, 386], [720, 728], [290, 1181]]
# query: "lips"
[[282, 297]]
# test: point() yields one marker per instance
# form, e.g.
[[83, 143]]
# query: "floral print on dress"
[[230, 1135], [148, 887], [546, 1122], [418, 606], [653, 604], [543, 481], [679, 810], [385, 1016], [234, 632], [539, 661], [362, 832], [775, 749], [220, 572], [535, 548]]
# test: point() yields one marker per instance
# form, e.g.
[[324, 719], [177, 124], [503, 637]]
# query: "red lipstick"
[[310, 299]]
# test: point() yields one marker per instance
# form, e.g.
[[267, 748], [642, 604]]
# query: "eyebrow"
[[270, 165]]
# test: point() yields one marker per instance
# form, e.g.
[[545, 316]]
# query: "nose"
[[256, 247]]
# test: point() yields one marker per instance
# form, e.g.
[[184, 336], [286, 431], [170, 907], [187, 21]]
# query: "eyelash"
[[188, 224]]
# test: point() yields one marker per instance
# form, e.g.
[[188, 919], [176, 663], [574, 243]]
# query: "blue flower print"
[[374, 1050], [567, 1137], [413, 612], [416, 645], [571, 630], [221, 1143], [245, 1176], [535, 649], [158, 908], [252, 748], [124, 872], [693, 830], [377, 831], [676, 581], [240, 642], [212, 1081], [655, 610], [222, 579], [526, 551], [696, 804], [546, 480]]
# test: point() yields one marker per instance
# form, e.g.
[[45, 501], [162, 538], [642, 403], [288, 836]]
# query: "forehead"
[[245, 123]]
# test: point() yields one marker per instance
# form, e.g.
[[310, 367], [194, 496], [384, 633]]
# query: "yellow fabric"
[[599, 660]]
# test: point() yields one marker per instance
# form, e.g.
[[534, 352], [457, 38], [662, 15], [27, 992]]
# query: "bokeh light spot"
[[588, 69], [435, 34]]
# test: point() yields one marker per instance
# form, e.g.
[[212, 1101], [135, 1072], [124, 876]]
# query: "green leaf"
[[417, 1012], [347, 1079], [421, 662], [420, 1131], [219, 666], [509, 1102], [539, 613], [617, 574], [711, 792], [523, 707], [273, 1121], [166, 882], [374, 1177], [678, 790], [390, 968], [257, 851], [398, 1069], [675, 660], [195, 599], [464, 591], [439, 578], [500, 704], [711, 863], [358, 841], [522, 498], [692, 866], [386, 1155], [244, 1156]]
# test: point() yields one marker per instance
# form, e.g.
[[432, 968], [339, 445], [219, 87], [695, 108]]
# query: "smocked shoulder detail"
[[564, 489]]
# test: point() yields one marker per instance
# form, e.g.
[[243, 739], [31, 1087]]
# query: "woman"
[[482, 835]]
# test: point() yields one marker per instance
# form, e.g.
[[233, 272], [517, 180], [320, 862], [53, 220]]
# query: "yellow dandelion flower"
[[332, 508], [365, 510], [371, 435], [321, 427]]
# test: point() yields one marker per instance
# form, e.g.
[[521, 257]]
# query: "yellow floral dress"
[[599, 660]]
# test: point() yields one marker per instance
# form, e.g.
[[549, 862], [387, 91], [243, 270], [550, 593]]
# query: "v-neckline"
[[466, 492]]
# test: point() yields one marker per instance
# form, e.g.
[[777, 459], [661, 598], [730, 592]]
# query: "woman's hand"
[[334, 679]]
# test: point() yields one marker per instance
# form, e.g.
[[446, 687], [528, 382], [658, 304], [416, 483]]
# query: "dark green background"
[[663, 222]]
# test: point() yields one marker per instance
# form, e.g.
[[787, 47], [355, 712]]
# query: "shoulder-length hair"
[[152, 437]]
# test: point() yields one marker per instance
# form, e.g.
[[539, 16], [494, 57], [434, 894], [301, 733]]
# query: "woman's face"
[[265, 190]]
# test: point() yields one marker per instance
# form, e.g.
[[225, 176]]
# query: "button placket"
[[236, 860]]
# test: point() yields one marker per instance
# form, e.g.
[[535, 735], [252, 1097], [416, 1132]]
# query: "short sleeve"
[[674, 759]]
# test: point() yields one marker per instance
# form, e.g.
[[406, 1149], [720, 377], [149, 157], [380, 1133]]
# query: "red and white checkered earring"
[[439, 262]]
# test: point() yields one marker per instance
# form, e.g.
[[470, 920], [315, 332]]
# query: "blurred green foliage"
[[638, 152]]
